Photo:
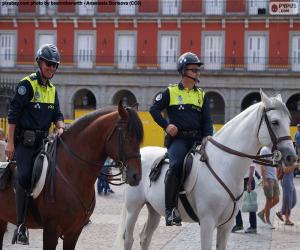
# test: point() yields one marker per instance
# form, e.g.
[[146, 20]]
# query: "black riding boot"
[[21, 234], [171, 199]]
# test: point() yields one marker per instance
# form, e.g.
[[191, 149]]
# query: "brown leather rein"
[[256, 158]]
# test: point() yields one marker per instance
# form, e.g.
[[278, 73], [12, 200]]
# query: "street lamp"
[[85, 101], [211, 103], [125, 101]]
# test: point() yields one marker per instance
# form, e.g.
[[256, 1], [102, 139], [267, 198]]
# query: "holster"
[[29, 138]]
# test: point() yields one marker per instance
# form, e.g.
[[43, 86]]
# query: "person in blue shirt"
[[188, 121], [102, 182]]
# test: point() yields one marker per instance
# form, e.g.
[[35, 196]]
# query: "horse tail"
[[119, 243]]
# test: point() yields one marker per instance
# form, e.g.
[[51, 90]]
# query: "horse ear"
[[122, 111], [265, 99], [279, 98]]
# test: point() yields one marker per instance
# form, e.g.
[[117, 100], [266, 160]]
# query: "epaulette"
[[200, 89], [33, 76], [173, 84], [51, 84]]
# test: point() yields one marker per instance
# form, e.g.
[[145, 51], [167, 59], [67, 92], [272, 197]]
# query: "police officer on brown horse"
[[188, 121], [33, 108]]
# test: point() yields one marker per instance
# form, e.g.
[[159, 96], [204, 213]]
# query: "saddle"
[[6, 173], [44, 165], [159, 162]]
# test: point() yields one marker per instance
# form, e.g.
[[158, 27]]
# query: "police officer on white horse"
[[33, 108], [188, 121]]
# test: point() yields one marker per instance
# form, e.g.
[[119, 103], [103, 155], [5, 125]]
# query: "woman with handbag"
[[289, 198], [249, 186]]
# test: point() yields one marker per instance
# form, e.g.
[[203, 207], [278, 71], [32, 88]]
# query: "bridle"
[[122, 160], [273, 137]]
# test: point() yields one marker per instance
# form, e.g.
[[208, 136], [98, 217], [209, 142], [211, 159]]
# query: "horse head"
[[123, 144], [274, 129]]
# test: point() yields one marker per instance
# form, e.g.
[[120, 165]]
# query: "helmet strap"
[[193, 78]]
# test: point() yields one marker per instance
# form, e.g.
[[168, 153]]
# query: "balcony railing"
[[262, 64]]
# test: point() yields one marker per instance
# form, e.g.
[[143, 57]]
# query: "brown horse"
[[80, 156]]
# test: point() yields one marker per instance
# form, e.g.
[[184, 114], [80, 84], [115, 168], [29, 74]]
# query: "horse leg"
[[70, 240], [3, 226], [149, 227], [50, 238], [206, 232], [131, 218], [223, 234]]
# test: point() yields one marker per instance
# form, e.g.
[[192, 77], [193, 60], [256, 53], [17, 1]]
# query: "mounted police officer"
[[188, 121], [33, 108]]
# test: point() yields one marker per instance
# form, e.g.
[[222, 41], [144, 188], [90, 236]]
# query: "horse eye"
[[275, 122]]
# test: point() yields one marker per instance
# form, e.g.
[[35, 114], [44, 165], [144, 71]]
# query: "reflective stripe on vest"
[[41, 93], [182, 96]]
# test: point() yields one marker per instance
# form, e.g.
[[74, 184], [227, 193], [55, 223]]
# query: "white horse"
[[210, 201]]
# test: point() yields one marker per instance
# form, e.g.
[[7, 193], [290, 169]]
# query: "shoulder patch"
[[21, 90], [158, 97]]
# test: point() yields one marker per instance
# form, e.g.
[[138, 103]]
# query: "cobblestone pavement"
[[101, 233]]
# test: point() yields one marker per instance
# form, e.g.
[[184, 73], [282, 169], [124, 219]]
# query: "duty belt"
[[189, 133]]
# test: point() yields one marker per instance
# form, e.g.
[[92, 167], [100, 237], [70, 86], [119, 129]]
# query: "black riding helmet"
[[186, 59], [48, 52]]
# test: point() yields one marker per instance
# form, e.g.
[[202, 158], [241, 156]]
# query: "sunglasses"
[[51, 64], [194, 70]]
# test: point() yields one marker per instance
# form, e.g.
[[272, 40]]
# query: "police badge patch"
[[158, 97], [180, 99], [37, 95], [22, 90]]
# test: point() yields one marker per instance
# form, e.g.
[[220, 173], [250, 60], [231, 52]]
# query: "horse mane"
[[280, 106], [135, 126], [277, 104], [82, 122], [239, 117]]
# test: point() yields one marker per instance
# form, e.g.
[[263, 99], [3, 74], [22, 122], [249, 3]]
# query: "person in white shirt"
[[271, 189]]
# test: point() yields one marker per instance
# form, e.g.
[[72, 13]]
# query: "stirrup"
[[173, 218], [21, 235]]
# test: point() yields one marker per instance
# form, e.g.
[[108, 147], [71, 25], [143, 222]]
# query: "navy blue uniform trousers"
[[177, 152], [25, 159]]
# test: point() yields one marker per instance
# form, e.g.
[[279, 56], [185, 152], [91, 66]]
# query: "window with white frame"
[[7, 10], [295, 53], [170, 7], [213, 52], [214, 7], [168, 51], [126, 51], [126, 9], [87, 8], [45, 39], [256, 57], [298, 3], [47, 9], [254, 5], [85, 51], [7, 50]]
